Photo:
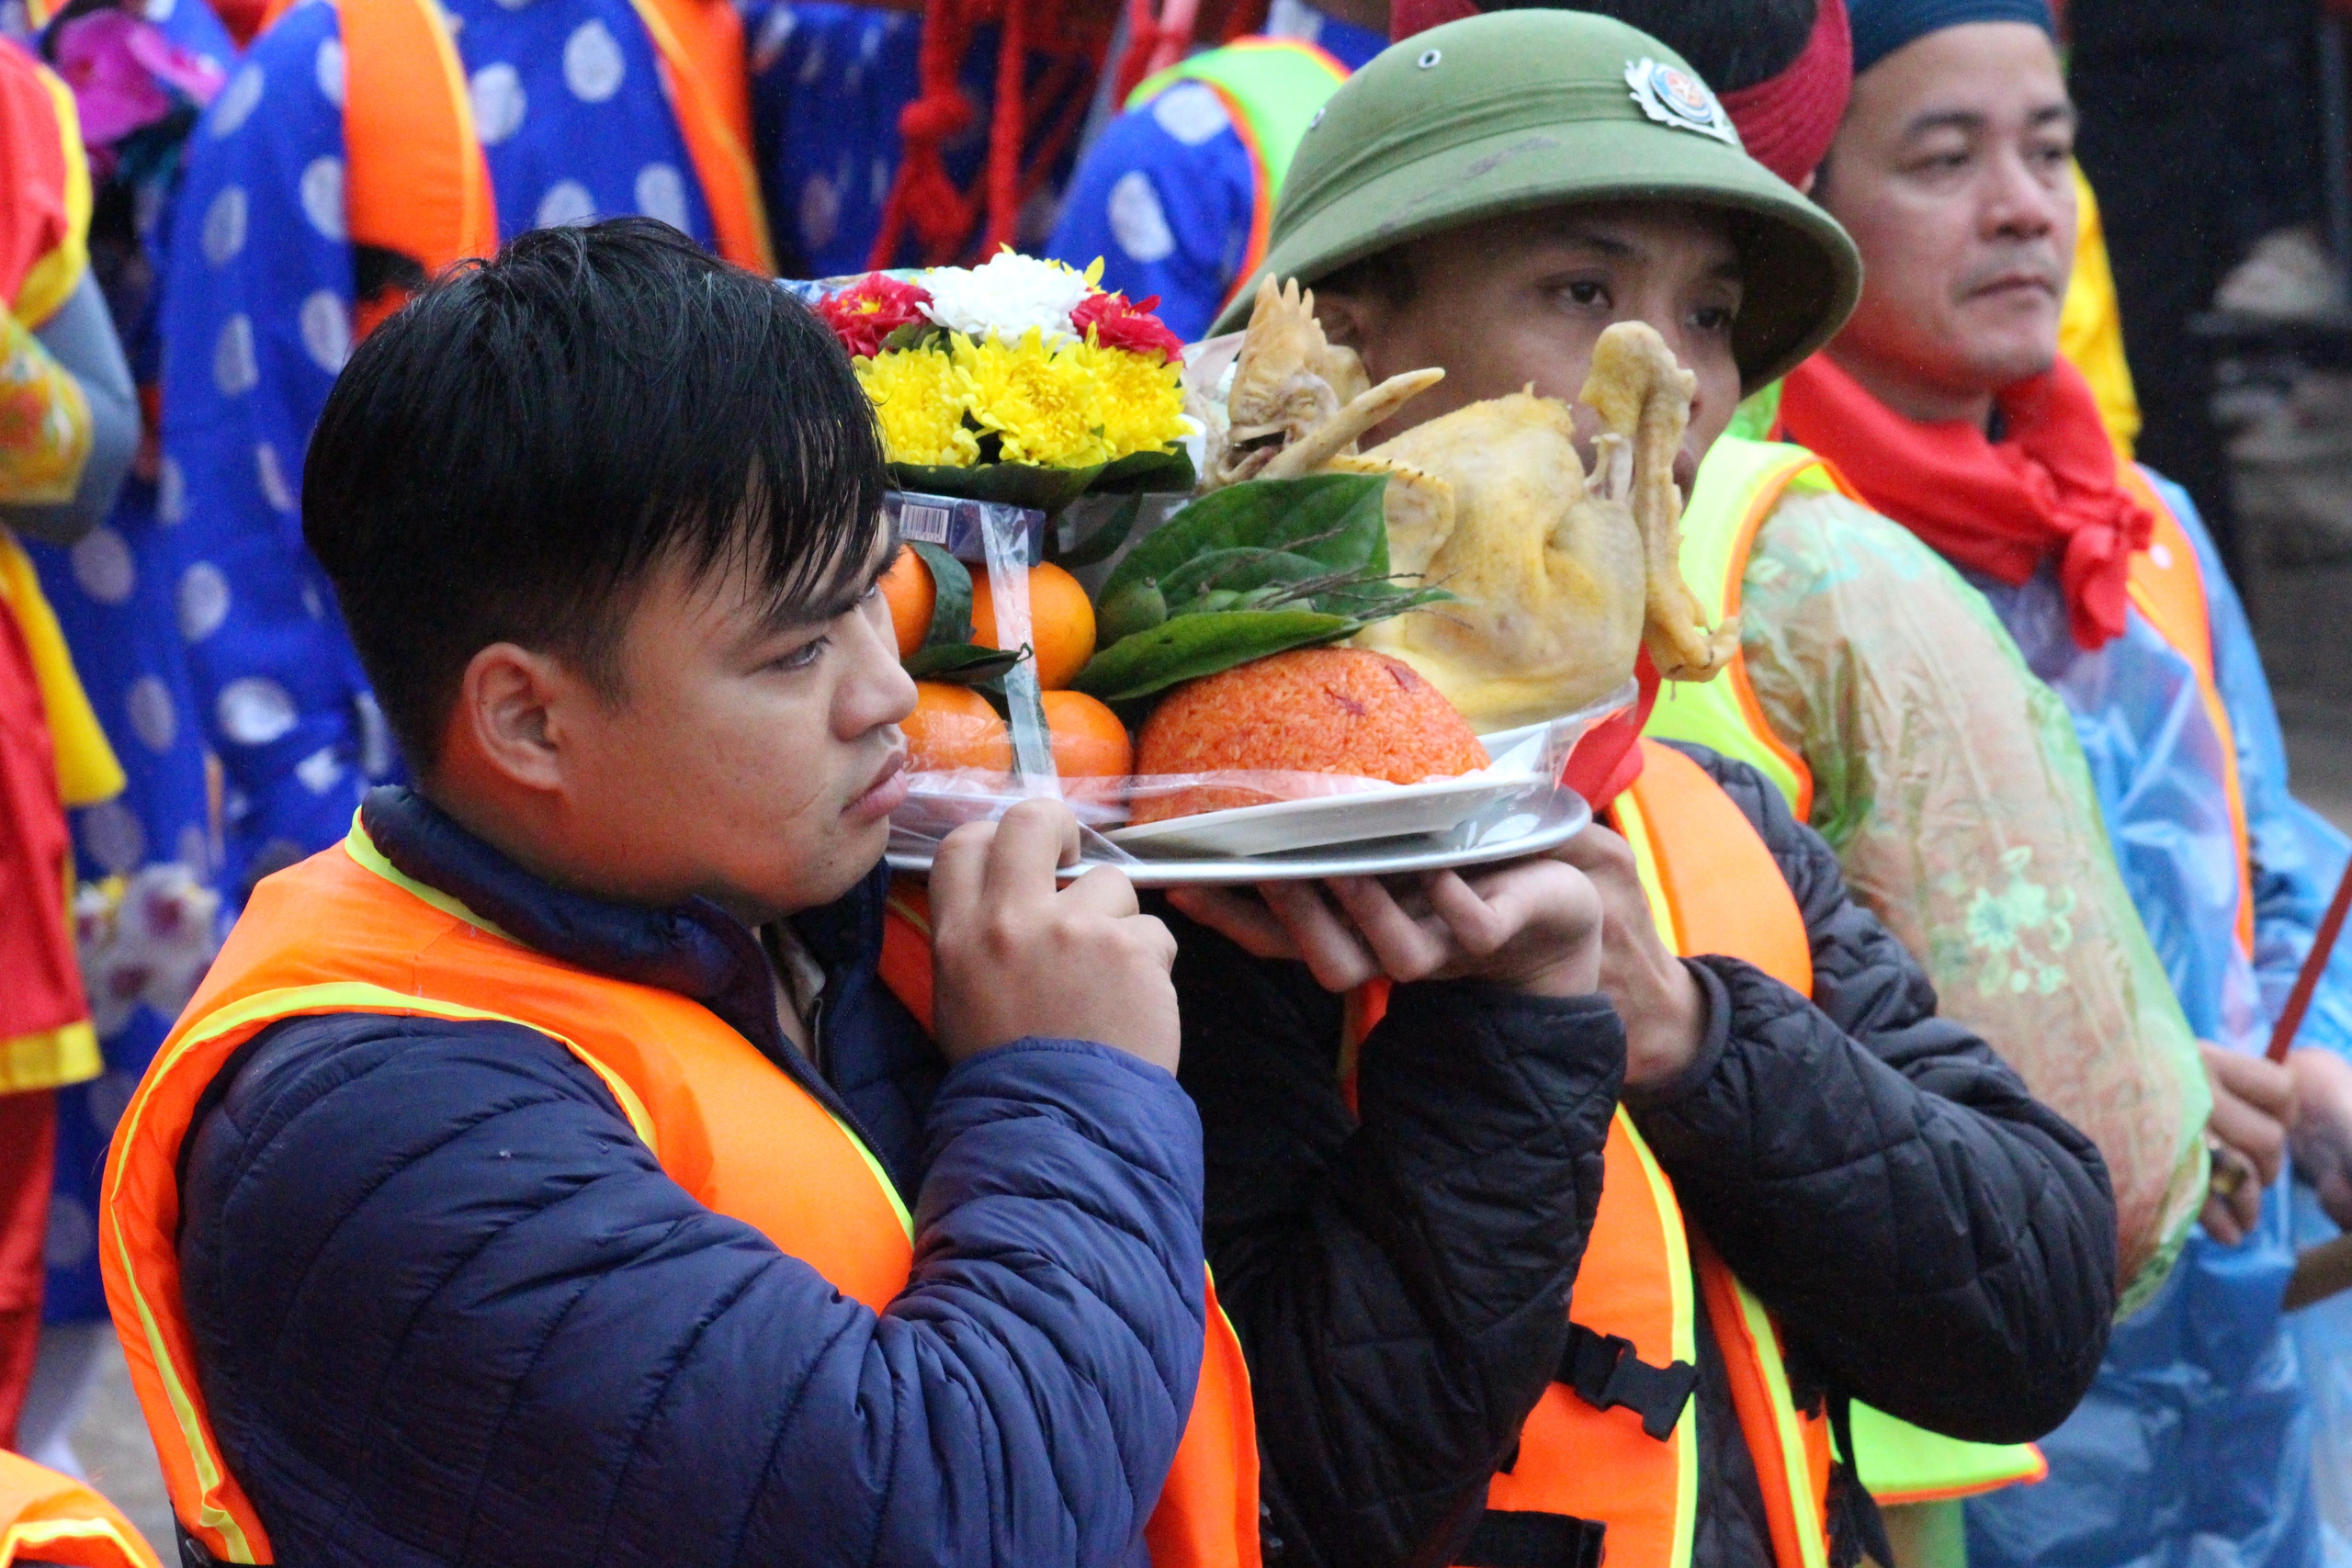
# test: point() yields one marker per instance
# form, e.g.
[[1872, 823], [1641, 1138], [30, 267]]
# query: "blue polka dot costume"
[[1165, 194], [112, 595], [828, 82], [574, 123]]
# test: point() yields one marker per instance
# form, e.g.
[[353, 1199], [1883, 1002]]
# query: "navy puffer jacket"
[[1932, 1239], [448, 1309]]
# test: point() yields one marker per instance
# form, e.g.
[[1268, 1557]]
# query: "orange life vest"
[[1607, 1463], [416, 181], [344, 931], [48, 1517], [2167, 587]]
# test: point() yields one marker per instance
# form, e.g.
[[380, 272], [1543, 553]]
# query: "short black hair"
[[508, 457], [1730, 43]]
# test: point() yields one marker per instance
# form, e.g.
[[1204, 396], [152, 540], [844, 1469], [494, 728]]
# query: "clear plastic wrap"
[[1953, 787], [1528, 765]]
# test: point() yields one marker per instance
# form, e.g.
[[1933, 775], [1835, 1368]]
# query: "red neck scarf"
[[2048, 490]]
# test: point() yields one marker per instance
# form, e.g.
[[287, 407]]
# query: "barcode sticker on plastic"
[[924, 525]]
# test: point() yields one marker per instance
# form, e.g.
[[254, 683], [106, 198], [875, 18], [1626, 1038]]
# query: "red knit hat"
[[1786, 122]]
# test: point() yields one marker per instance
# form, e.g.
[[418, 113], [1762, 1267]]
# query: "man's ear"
[[508, 719], [1346, 318]]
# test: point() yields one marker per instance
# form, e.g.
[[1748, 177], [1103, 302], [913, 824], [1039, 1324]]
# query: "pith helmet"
[[1518, 110]]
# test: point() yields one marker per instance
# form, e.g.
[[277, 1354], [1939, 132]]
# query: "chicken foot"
[[1643, 397]]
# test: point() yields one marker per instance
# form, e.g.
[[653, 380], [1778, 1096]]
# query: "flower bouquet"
[[1020, 382]]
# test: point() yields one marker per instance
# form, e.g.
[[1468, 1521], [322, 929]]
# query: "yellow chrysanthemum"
[[1039, 402], [1138, 403], [919, 401]]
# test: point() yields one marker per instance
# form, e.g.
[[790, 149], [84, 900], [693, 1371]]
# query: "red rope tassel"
[[925, 202], [1006, 128], [923, 198]]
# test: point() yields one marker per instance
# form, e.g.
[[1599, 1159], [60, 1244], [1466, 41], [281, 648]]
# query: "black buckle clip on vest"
[[1606, 1374], [1507, 1539], [193, 1553]]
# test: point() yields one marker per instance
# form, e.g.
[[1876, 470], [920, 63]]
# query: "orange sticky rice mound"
[[1313, 710]]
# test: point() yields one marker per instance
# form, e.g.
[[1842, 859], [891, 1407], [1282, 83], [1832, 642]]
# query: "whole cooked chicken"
[[1547, 577], [1296, 400], [1559, 574]]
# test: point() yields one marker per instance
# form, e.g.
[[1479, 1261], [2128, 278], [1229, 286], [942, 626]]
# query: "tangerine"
[[1089, 741], [1312, 710], [953, 727], [1061, 623], [912, 596]]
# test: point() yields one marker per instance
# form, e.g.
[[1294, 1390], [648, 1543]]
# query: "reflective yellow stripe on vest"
[[1739, 483], [1754, 1324], [1686, 1338]]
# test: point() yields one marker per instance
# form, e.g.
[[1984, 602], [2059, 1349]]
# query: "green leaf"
[[1237, 570], [1049, 489], [1378, 600], [1336, 519], [914, 334], [950, 604], [1014, 484], [963, 664], [1189, 646], [1166, 472], [1102, 543], [1137, 607]]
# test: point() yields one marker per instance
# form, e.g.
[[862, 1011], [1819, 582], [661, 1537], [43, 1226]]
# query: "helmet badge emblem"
[[1673, 97]]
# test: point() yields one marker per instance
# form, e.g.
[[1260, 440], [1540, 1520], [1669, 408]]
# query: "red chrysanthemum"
[[1121, 322], [872, 309]]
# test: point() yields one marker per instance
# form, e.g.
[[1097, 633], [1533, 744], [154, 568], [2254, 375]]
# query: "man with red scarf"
[[1946, 403]]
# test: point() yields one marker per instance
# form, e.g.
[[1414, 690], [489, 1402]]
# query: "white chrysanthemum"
[[1008, 295]]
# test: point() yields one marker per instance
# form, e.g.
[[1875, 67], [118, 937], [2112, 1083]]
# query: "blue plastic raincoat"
[[2196, 1443]]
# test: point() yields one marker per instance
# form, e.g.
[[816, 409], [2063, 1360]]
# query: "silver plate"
[[1509, 832]]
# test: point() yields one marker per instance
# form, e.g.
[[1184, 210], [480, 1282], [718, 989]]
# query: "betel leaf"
[[1238, 570], [1014, 484], [963, 664], [951, 603], [1377, 599], [1189, 646], [1334, 518], [1104, 542], [1165, 472]]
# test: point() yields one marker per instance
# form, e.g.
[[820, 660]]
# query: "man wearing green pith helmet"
[[1815, 1193]]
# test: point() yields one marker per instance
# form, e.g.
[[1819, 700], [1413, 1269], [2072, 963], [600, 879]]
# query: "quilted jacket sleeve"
[[1933, 1239], [1397, 1283], [449, 1310]]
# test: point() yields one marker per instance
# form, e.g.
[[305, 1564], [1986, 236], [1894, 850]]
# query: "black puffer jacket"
[[1933, 1240]]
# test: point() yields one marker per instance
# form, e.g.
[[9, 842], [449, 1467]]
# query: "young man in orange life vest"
[[545, 1174], [1799, 1189]]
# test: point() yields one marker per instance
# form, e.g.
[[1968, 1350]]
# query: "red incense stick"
[[2298, 1000]]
